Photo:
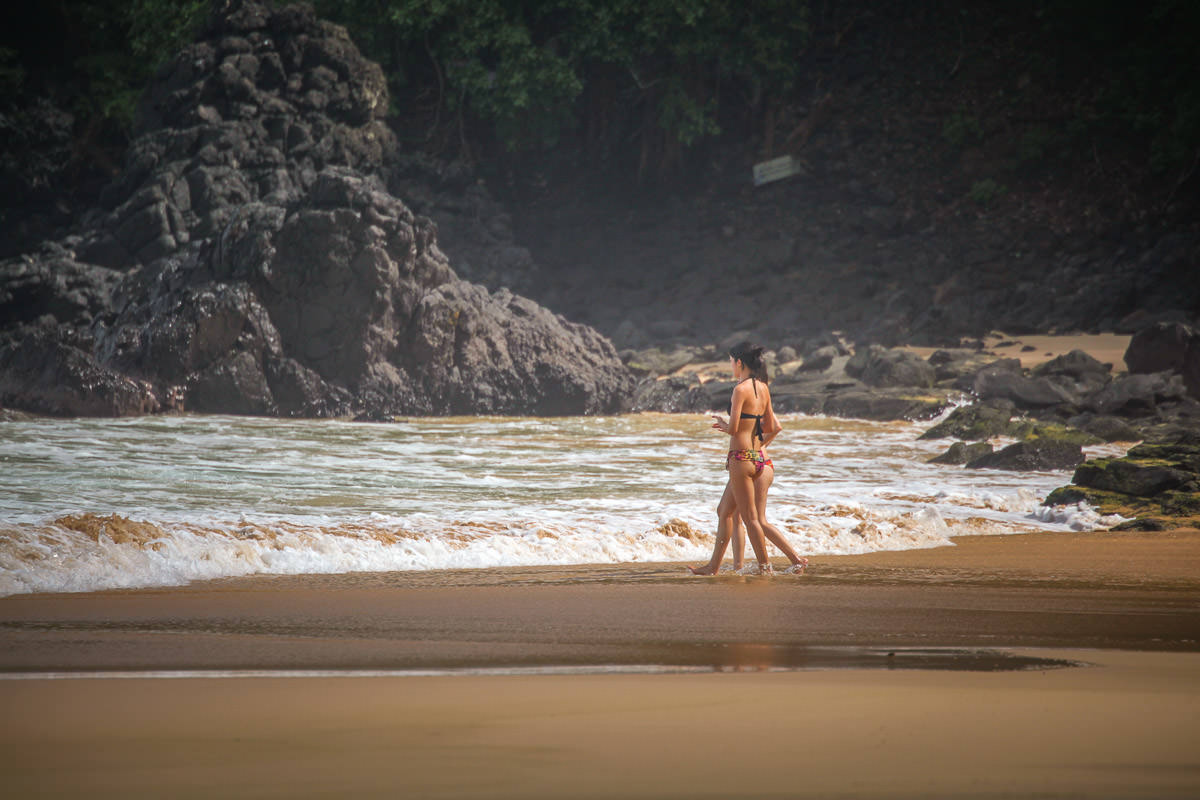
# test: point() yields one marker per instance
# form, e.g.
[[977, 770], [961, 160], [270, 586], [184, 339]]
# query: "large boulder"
[[880, 367], [250, 258], [1161, 347], [1077, 372], [961, 453], [1157, 483], [1167, 347], [40, 371], [1034, 455], [975, 422], [1137, 395], [1001, 383], [1130, 477]]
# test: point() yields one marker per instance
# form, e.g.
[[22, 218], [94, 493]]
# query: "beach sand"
[[762, 713], [1033, 350]]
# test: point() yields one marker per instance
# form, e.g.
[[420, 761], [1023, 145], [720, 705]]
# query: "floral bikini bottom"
[[756, 457]]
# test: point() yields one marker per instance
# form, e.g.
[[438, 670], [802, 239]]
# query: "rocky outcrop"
[[1167, 347], [880, 367], [1156, 484], [961, 453], [1032, 455], [250, 258], [975, 422]]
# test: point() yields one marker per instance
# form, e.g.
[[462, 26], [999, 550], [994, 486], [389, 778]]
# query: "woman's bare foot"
[[706, 569], [799, 567]]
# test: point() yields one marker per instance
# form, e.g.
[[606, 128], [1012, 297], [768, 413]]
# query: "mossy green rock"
[[1053, 432], [1129, 477], [1157, 483], [973, 423]]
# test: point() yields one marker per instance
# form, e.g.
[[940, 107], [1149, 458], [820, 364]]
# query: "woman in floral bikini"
[[750, 470]]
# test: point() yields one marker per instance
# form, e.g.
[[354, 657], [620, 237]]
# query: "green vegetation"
[[654, 72], [1140, 69], [655, 80], [95, 58], [986, 192], [961, 129]]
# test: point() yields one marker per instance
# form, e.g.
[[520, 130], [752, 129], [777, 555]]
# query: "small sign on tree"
[[774, 170]]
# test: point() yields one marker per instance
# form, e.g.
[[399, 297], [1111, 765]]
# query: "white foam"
[[233, 496]]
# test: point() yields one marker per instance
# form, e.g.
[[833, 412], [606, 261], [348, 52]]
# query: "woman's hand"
[[721, 424]]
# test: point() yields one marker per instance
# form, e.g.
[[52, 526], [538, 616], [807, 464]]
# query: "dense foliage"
[[653, 72], [1141, 63], [93, 58], [644, 81]]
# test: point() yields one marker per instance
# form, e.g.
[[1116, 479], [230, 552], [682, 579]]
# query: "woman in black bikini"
[[750, 470]]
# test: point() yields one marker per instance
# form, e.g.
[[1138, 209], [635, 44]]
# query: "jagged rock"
[[1032, 456], [234, 385], [656, 361], [819, 360], [968, 376], [1077, 364], [1137, 395], [1053, 432], [961, 453], [952, 363], [1162, 347], [267, 268], [1026, 393], [1106, 428], [1077, 372], [672, 394], [1129, 477], [880, 367], [975, 422], [1158, 480], [54, 283], [39, 371]]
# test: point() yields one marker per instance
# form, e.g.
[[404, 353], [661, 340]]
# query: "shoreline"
[[1121, 726], [1106, 590]]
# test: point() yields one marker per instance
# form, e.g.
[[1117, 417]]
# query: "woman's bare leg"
[[741, 478], [727, 522], [761, 484]]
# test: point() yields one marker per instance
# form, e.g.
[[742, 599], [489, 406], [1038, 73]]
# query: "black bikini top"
[[758, 428]]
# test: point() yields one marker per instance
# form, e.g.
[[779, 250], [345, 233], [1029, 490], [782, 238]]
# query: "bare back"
[[748, 407]]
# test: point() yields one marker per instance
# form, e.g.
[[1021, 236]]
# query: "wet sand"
[[762, 714]]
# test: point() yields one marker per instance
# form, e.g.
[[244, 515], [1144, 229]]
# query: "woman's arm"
[[736, 401]]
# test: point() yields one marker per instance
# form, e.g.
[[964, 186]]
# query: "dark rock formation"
[[1001, 383], [1137, 395], [1030, 456], [1077, 372], [819, 360], [974, 422], [1167, 347], [1157, 483], [1159, 347], [881, 367], [1108, 429], [961, 453], [1130, 476], [251, 257]]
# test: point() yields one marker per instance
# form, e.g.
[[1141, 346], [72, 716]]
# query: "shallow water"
[[207, 496]]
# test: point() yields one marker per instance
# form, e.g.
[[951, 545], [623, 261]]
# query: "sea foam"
[[96, 504]]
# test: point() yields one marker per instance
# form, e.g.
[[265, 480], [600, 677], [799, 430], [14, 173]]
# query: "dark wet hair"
[[751, 355]]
